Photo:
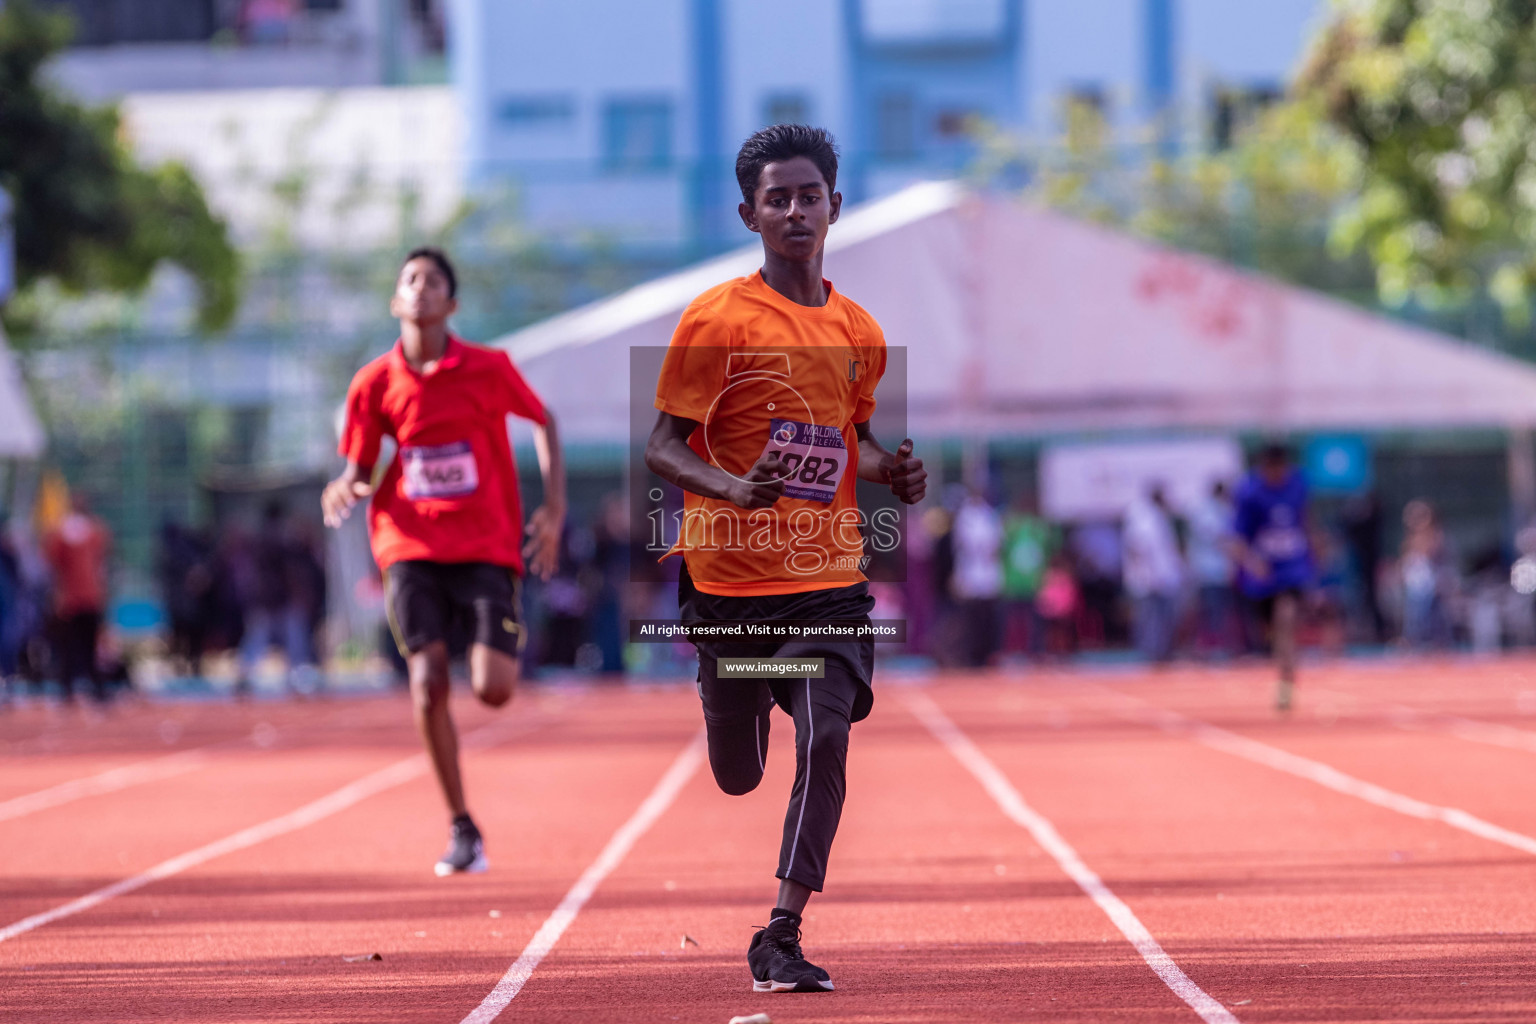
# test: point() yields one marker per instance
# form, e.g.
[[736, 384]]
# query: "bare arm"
[[546, 444], [1244, 554], [340, 495], [547, 522], [668, 456], [903, 473]]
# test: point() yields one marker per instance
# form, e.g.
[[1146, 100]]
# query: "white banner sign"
[[1097, 481]]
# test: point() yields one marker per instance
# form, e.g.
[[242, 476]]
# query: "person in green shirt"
[[1028, 543]]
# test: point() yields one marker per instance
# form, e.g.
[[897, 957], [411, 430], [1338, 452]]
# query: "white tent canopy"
[[21, 436], [1019, 321]]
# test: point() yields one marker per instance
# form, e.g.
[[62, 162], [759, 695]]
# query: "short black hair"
[[436, 255], [784, 142]]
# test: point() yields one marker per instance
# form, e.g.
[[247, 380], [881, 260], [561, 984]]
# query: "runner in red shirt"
[[77, 551], [445, 519]]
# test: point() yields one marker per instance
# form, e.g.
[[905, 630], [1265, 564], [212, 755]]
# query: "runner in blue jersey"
[[1274, 554]]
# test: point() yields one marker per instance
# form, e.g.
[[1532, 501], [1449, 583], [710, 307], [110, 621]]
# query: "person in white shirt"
[[1210, 565], [977, 579], [1154, 572]]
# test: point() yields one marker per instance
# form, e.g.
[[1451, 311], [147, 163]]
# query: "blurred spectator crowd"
[[53, 604], [238, 592], [985, 582], [992, 581]]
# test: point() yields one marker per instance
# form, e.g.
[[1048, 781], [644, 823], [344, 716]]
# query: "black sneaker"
[[466, 853], [777, 963]]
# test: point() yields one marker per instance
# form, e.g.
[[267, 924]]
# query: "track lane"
[[1440, 758], [938, 909], [56, 856], [1048, 837], [1264, 887], [100, 783], [1284, 900], [271, 924]]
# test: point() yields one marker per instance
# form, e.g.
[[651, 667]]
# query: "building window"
[[536, 111], [1089, 99], [786, 108], [929, 22], [1235, 109], [1084, 122], [637, 135], [429, 20], [896, 127], [951, 125], [105, 22]]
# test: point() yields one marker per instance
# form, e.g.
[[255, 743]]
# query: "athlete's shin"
[[793, 896], [822, 723], [428, 670], [1287, 614]]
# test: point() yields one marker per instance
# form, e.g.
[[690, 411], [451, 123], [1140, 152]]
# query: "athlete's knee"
[[830, 734], [735, 758], [493, 675], [736, 779], [495, 695], [428, 670], [428, 695]]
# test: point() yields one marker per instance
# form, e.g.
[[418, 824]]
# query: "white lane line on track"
[[1323, 774], [612, 855], [109, 781], [338, 800], [1044, 833], [1490, 733], [1413, 719], [1468, 729]]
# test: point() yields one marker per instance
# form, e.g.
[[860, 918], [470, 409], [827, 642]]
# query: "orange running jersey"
[[759, 371]]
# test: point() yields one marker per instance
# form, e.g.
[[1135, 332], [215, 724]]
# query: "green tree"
[[87, 215], [1265, 202], [1436, 100]]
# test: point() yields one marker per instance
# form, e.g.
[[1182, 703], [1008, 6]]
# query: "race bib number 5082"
[[815, 455], [439, 471]]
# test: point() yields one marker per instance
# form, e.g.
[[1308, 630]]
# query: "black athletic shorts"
[[854, 658], [1264, 606], [458, 603]]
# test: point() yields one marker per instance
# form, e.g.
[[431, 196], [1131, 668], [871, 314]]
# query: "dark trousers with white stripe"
[[737, 711], [737, 715]]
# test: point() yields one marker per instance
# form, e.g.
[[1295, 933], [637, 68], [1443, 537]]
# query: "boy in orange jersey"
[[765, 398], [445, 520]]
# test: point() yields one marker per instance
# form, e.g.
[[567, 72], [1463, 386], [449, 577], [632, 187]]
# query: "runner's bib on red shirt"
[[450, 494], [439, 471]]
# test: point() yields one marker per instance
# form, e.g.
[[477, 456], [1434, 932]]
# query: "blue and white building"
[[621, 117], [135, 46]]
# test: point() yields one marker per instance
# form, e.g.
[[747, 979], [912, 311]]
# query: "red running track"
[[1275, 897]]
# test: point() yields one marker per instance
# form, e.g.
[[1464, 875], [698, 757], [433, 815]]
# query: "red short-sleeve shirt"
[[450, 494]]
